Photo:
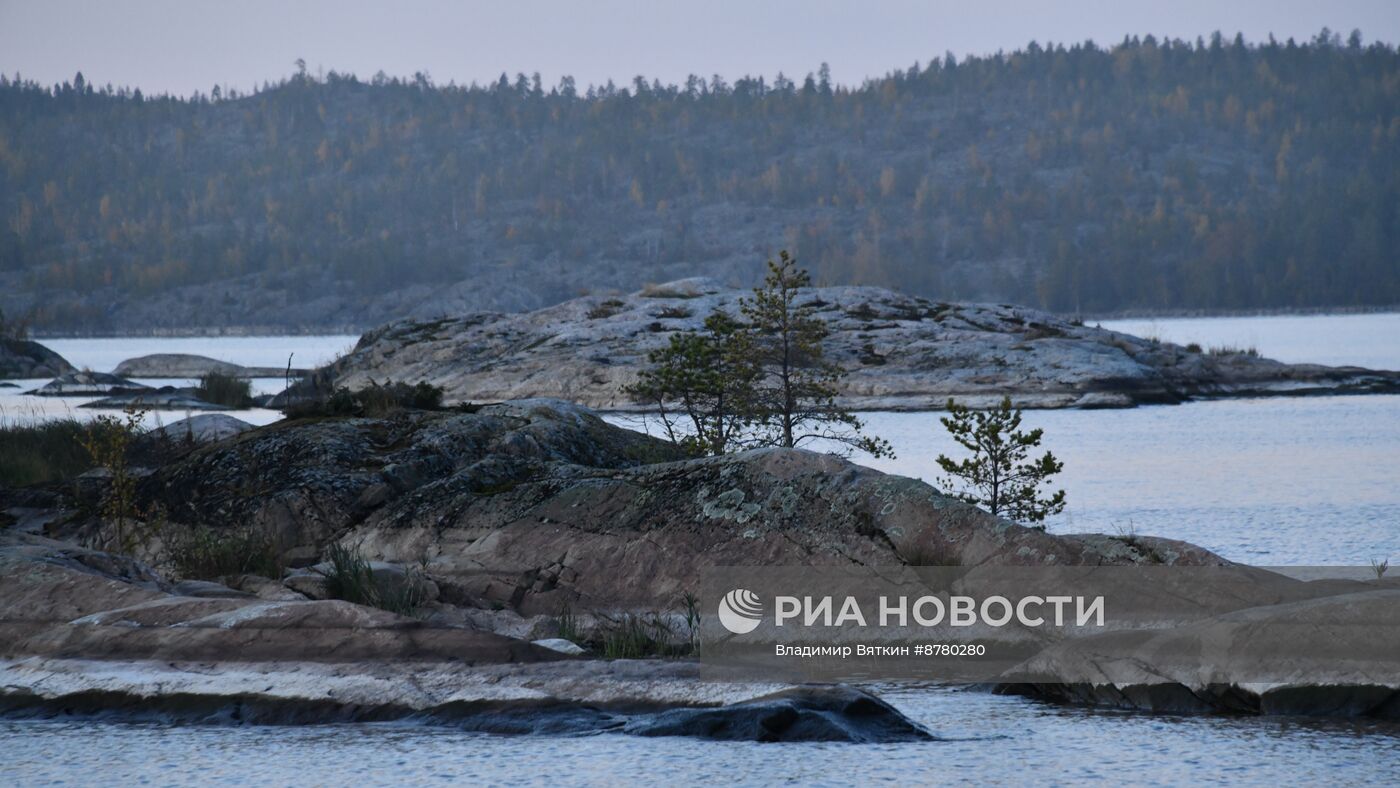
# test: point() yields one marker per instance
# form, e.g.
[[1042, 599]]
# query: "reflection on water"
[[991, 740]]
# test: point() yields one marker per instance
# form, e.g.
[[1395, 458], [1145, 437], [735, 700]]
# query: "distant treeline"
[[1156, 174]]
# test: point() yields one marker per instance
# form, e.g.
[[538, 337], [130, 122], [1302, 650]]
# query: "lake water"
[[992, 740], [1266, 481]]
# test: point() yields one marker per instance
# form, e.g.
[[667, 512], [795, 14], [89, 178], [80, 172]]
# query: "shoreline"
[[1210, 314], [195, 332]]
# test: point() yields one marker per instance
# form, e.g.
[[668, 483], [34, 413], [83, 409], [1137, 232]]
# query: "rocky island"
[[23, 358], [518, 523], [901, 353]]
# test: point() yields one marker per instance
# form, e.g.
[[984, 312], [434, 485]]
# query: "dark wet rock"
[[832, 714], [903, 353], [84, 383], [22, 358], [186, 365]]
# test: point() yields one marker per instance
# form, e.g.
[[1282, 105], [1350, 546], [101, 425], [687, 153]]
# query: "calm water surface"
[[993, 740]]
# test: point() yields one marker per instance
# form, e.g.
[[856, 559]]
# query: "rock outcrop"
[[187, 365], [22, 358], [531, 505], [522, 513], [903, 353], [86, 633], [1333, 655]]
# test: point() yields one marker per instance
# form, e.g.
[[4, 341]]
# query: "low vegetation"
[[352, 578], [44, 452], [208, 553], [1233, 350], [377, 399], [108, 442], [221, 389], [635, 636]]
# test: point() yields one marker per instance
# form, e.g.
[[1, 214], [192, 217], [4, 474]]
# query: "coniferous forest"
[[1212, 174]]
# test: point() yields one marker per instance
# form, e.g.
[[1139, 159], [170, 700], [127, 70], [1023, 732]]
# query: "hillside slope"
[[1155, 174]]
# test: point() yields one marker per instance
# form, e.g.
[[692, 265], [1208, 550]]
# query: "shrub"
[[634, 636], [1193, 347], [568, 623], [352, 579], [377, 399], [108, 442], [1233, 350], [673, 312], [227, 390], [206, 553], [606, 309], [45, 452]]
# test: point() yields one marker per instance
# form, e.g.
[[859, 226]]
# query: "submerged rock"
[[903, 353], [817, 713], [22, 358]]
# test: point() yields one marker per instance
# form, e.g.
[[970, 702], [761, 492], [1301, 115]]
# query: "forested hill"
[[1150, 175]]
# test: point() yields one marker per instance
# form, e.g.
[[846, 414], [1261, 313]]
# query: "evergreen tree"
[[796, 398], [702, 384], [1000, 476]]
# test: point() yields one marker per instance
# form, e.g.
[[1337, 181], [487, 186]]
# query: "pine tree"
[[999, 476], [796, 397], [702, 384]]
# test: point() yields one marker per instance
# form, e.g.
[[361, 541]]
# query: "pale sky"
[[185, 45]]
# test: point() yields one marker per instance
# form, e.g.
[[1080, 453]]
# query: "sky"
[[180, 46]]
